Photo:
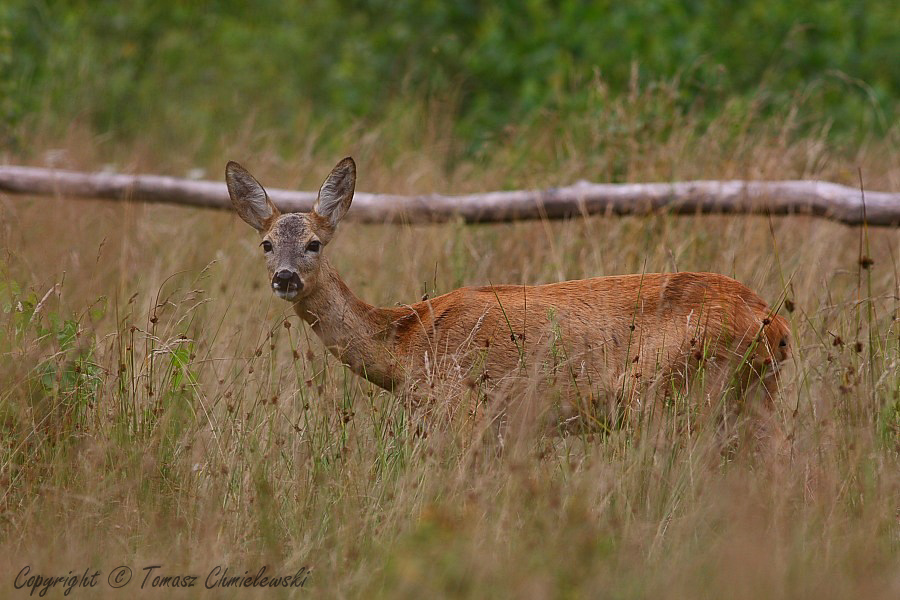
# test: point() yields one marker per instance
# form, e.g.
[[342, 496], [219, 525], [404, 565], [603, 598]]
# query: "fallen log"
[[817, 198]]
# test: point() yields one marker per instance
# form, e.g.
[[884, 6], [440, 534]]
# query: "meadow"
[[160, 406]]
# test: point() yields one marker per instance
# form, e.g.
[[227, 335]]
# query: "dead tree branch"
[[816, 198]]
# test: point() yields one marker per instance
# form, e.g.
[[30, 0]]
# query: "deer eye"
[[314, 246], [266, 246]]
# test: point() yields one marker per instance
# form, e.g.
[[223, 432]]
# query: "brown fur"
[[603, 332]]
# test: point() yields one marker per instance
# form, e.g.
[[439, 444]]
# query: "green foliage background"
[[197, 69]]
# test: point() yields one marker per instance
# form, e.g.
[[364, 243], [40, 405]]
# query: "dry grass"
[[177, 420]]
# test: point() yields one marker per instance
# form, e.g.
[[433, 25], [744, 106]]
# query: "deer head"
[[293, 243]]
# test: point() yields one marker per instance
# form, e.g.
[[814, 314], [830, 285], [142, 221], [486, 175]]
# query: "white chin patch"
[[286, 295]]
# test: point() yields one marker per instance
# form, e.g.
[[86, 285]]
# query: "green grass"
[[160, 406]]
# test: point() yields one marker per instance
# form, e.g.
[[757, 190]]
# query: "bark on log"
[[818, 198]]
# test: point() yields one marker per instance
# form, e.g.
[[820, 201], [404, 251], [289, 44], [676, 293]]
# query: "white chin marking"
[[286, 295]]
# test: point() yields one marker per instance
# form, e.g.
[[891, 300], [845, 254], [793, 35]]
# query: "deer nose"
[[286, 280]]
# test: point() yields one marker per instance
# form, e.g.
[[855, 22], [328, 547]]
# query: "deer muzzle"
[[286, 284]]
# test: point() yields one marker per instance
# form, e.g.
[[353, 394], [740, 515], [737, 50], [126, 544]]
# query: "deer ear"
[[249, 198], [336, 193]]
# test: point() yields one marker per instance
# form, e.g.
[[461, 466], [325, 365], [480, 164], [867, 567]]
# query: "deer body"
[[597, 332]]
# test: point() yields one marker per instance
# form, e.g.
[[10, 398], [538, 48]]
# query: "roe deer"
[[612, 328]]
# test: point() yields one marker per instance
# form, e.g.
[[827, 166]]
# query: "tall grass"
[[160, 406]]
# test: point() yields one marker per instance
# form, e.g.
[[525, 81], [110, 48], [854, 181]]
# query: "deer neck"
[[351, 329]]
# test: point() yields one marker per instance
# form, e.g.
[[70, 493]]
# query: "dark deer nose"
[[286, 281]]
